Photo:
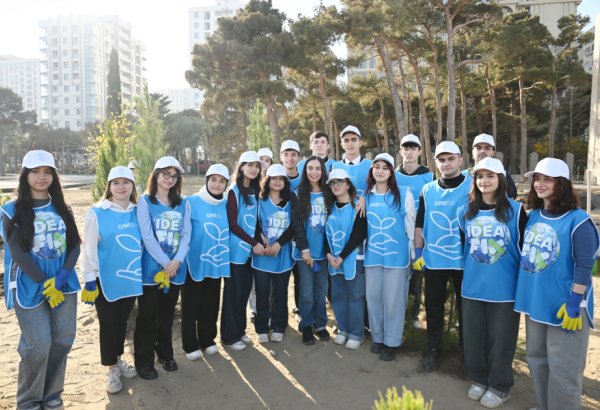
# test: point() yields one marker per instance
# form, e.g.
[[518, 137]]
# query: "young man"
[[483, 147], [319, 145], [437, 229], [289, 155], [413, 175], [352, 162]]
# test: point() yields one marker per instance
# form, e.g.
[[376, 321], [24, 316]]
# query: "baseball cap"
[[218, 169], [276, 170], [265, 152], [120, 172], [348, 129], [38, 158], [551, 167], [384, 157], [446, 147], [337, 173], [168, 162], [289, 144], [410, 139], [490, 164], [484, 139], [249, 156]]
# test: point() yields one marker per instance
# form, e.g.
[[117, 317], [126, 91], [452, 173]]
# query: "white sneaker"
[[246, 339], [212, 349], [125, 369], [113, 381], [353, 344], [493, 401], [195, 355], [339, 339], [476, 392], [237, 345], [263, 338], [276, 337]]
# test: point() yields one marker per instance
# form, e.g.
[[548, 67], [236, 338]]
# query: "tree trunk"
[[523, 114], [438, 91], [386, 138], [314, 115], [405, 98], [493, 104], [273, 123], [513, 135], [389, 76], [463, 121], [552, 131], [451, 120], [327, 105]]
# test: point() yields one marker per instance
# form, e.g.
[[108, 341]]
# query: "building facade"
[[549, 11], [75, 55], [22, 75], [593, 162]]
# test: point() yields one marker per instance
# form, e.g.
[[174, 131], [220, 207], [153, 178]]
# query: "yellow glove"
[[163, 281], [569, 323], [89, 293], [419, 264], [54, 296]]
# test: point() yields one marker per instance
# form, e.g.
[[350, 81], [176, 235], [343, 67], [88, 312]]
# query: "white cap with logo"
[[350, 129], [168, 162], [218, 169], [289, 144], [489, 164], [276, 170], [484, 139], [446, 147], [38, 158], [249, 156], [337, 173], [384, 157], [551, 167], [410, 139], [120, 172], [265, 152]]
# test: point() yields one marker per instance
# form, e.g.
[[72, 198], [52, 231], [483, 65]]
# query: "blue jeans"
[[46, 339], [348, 302], [313, 290], [271, 313], [387, 296]]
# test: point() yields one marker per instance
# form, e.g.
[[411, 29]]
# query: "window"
[[66, 88], [75, 76], [196, 15], [55, 66], [76, 89], [75, 65], [67, 124], [65, 64], [65, 53], [54, 100], [54, 53], [78, 123], [78, 111], [67, 112], [56, 124], [196, 25], [55, 88], [55, 76], [207, 26], [77, 100], [65, 76], [55, 111], [196, 36], [75, 53], [207, 15], [66, 100]]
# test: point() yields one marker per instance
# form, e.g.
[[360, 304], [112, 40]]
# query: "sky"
[[164, 30]]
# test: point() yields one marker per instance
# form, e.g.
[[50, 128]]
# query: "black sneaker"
[[387, 353], [307, 336], [169, 365], [376, 347], [147, 373], [431, 360], [323, 335]]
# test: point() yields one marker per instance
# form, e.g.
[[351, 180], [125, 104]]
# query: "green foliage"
[[4, 198], [259, 135], [185, 133], [15, 125], [163, 104], [110, 148], [408, 400], [113, 81]]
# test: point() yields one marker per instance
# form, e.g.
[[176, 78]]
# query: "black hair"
[[391, 182], [254, 183], [305, 188], [502, 208], [318, 134], [330, 198], [563, 198], [174, 192], [286, 192]]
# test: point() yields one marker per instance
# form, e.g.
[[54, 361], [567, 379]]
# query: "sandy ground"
[[275, 375]]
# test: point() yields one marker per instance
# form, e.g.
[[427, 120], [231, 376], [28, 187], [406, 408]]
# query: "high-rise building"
[[74, 66], [549, 11], [593, 162], [586, 54], [22, 75], [180, 99]]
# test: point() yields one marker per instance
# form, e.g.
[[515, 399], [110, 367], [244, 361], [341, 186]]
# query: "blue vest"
[[119, 253], [491, 255], [209, 251], [387, 242], [315, 228], [547, 266], [358, 173], [49, 251], [294, 182], [328, 165], [443, 249], [415, 183], [240, 250], [274, 220], [167, 223], [338, 229]]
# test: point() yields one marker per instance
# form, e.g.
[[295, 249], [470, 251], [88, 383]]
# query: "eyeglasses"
[[336, 182], [168, 175]]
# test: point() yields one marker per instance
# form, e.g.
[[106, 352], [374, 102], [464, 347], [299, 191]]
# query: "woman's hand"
[[361, 206], [258, 249], [172, 267], [273, 250], [307, 258]]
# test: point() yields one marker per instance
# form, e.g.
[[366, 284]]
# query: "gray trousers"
[[556, 362]]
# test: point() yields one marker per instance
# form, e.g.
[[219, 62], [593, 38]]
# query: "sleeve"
[[298, 225], [186, 234], [585, 248], [89, 248], [71, 258], [232, 214], [409, 221], [357, 236], [151, 244], [511, 190], [523, 218], [420, 220], [21, 257]]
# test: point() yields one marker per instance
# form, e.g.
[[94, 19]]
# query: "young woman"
[[165, 228], [391, 224], [554, 287], [346, 231], [42, 246], [266, 160], [313, 273], [492, 226], [276, 227], [208, 262], [242, 212], [112, 258]]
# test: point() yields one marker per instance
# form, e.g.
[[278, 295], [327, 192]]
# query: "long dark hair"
[[305, 188], [502, 209], [330, 198], [286, 193], [22, 221], [392, 185], [563, 198], [254, 184], [174, 192]]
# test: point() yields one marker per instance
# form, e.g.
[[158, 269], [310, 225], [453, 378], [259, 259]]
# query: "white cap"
[[265, 152], [489, 164], [167, 162], [38, 158], [410, 139], [132, 164], [337, 173], [350, 128], [289, 144], [218, 169], [120, 172], [249, 156], [384, 157], [276, 170], [551, 167], [446, 147], [484, 139]]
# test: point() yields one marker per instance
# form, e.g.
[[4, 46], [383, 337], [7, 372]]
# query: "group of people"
[[360, 229]]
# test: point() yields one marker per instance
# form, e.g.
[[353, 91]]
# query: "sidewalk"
[[8, 183]]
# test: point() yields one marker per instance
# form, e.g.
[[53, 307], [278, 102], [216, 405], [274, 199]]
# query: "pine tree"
[[113, 81], [259, 135]]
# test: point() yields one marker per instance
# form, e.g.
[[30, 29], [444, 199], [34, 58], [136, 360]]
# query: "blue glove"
[[418, 253], [315, 267], [61, 279], [90, 293], [570, 313]]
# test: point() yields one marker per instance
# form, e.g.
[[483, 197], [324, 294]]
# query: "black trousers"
[[436, 283], [199, 313], [235, 297], [154, 325], [112, 318], [296, 275]]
